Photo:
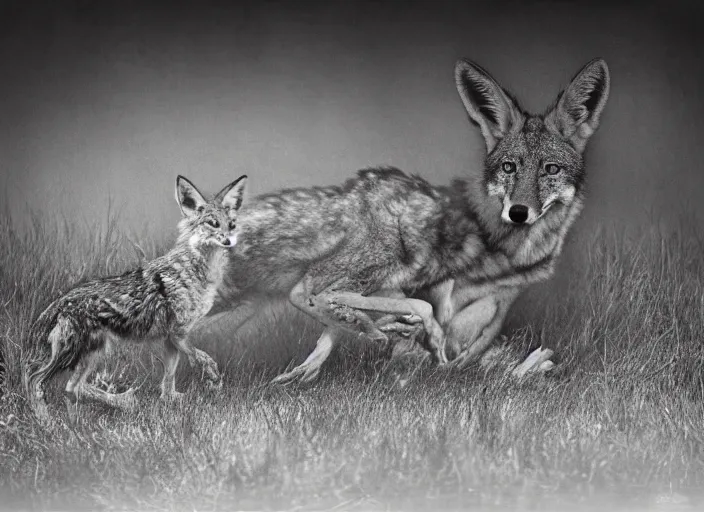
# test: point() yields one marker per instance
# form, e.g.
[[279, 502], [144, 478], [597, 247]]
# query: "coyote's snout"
[[160, 301]]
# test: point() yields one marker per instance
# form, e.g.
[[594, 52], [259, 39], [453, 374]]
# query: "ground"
[[617, 425]]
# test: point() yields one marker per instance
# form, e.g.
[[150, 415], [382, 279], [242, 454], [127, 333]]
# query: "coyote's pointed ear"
[[576, 114], [486, 102], [232, 195], [189, 199]]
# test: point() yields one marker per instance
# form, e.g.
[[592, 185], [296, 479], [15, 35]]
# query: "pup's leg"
[[179, 344], [81, 388], [168, 381]]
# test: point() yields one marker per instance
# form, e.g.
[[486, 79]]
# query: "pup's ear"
[[487, 104], [232, 195], [579, 106], [189, 199]]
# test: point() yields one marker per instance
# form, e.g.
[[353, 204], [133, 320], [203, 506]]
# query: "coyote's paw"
[[398, 328], [462, 361], [209, 370], [537, 362], [301, 374], [400, 322], [214, 384], [212, 376], [436, 344]]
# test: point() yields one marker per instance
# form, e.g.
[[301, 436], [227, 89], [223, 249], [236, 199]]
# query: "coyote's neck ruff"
[[476, 247], [161, 300], [340, 253]]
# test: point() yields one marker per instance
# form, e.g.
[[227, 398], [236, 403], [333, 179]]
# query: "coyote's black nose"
[[226, 242], [518, 213]]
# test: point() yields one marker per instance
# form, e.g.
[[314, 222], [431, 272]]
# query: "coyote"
[[161, 300], [385, 239]]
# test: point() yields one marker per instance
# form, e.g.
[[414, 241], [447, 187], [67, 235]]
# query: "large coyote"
[[342, 252], [160, 301]]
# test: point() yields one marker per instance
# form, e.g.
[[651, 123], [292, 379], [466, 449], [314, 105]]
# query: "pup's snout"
[[518, 213], [227, 240]]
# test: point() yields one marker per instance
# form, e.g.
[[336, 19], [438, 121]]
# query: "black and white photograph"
[[351, 255]]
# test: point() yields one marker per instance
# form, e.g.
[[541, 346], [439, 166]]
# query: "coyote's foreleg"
[[408, 327], [472, 330], [348, 310]]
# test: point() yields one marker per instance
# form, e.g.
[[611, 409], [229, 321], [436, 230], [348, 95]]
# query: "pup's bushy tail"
[[55, 339]]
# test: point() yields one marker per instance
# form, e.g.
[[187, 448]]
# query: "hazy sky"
[[102, 99]]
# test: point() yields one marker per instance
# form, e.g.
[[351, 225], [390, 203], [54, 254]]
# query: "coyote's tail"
[[55, 340]]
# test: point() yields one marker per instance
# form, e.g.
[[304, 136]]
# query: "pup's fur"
[[159, 301]]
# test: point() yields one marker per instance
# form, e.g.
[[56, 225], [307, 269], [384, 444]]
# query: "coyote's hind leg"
[[309, 369]]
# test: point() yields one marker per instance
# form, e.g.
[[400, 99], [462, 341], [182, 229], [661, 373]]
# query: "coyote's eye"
[[232, 225], [508, 167], [552, 169], [214, 223]]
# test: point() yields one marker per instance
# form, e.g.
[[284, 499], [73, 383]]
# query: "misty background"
[[108, 99]]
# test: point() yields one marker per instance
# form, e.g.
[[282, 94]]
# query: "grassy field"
[[617, 425]]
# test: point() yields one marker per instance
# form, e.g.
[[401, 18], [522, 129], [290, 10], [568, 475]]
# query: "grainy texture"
[[618, 426]]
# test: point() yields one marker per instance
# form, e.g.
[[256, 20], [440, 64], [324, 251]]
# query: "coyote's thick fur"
[[159, 301], [342, 252], [524, 202]]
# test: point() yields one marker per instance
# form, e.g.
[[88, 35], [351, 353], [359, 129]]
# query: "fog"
[[114, 99]]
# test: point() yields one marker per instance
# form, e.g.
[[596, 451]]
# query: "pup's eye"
[[232, 225], [508, 167], [214, 223], [552, 169]]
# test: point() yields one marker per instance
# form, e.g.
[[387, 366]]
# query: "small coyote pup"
[[161, 300]]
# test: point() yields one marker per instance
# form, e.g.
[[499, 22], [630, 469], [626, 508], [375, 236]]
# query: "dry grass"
[[618, 425]]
